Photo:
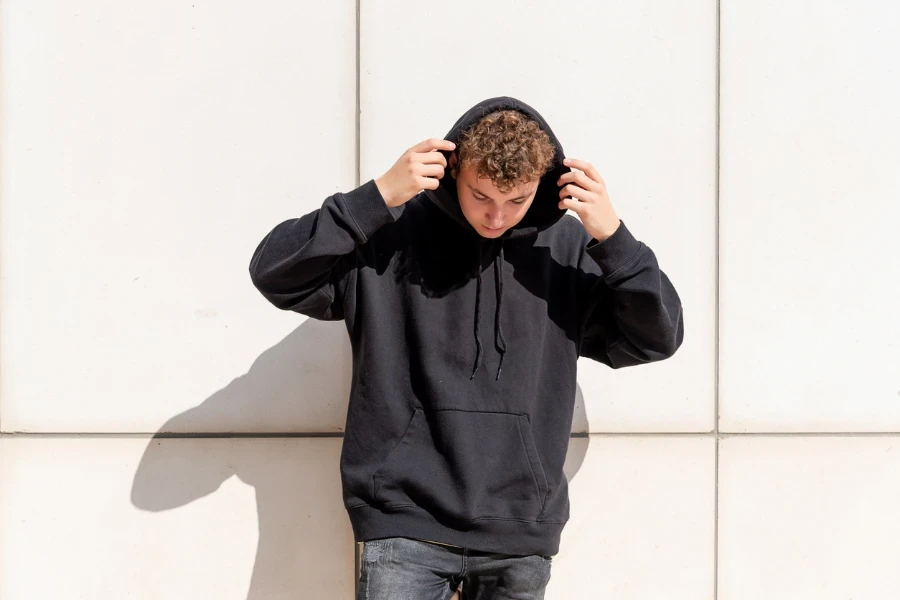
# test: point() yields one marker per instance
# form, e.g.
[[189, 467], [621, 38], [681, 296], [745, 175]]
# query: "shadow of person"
[[274, 429], [294, 393]]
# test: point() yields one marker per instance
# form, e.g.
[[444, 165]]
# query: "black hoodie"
[[464, 349]]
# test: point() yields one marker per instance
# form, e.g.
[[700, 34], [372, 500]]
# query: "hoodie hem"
[[505, 536]]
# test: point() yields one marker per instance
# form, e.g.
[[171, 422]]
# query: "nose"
[[495, 221]]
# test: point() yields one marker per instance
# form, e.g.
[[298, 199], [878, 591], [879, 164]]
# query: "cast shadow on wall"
[[305, 546]]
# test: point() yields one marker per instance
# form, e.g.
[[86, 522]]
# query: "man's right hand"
[[419, 168]]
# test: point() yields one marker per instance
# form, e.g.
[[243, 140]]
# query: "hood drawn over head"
[[544, 210]]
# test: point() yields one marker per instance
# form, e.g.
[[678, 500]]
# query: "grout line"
[[715, 590], [716, 435], [807, 434], [722, 435]]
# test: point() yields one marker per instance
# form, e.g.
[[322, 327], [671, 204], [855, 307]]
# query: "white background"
[[146, 149]]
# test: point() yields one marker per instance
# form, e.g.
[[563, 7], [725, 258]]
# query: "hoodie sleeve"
[[630, 311], [303, 264]]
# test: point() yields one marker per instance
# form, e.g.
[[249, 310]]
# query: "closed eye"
[[481, 199]]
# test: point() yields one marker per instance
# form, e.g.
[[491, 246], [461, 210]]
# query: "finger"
[[427, 183], [572, 204], [430, 171], [433, 157], [584, 166], [433, 144], [578, 177], [575, 191]]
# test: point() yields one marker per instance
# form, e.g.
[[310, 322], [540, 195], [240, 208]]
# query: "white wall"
[[145, 149]]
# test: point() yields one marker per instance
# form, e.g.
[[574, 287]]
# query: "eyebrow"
[[489, 198]]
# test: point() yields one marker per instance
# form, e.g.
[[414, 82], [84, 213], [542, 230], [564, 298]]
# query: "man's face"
[[487, 209]]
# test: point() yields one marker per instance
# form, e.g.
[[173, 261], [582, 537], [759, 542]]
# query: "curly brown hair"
[[508, 147]]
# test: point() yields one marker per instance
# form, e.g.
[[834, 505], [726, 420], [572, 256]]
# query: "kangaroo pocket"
[[465, 465]]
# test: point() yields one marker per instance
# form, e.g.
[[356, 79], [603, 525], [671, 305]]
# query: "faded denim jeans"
[[399, 568]]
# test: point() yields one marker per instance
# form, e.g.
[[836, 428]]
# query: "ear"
[[452, 162]]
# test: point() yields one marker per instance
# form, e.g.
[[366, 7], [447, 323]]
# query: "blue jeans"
[[400, 568]]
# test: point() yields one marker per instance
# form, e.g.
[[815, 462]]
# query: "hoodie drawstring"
[[477, 314], [499, 340]]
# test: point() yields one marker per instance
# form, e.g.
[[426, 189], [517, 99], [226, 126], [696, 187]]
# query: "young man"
[[468, 299]]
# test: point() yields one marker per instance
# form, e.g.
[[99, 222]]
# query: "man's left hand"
[[589, 199]]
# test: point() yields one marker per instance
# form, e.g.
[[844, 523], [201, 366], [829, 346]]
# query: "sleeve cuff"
[[616, 251], [369, 209]]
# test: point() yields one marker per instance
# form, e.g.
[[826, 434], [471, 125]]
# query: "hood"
[[544, 211]]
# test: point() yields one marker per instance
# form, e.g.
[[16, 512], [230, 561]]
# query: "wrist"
[[385, 192], [604, 231]]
